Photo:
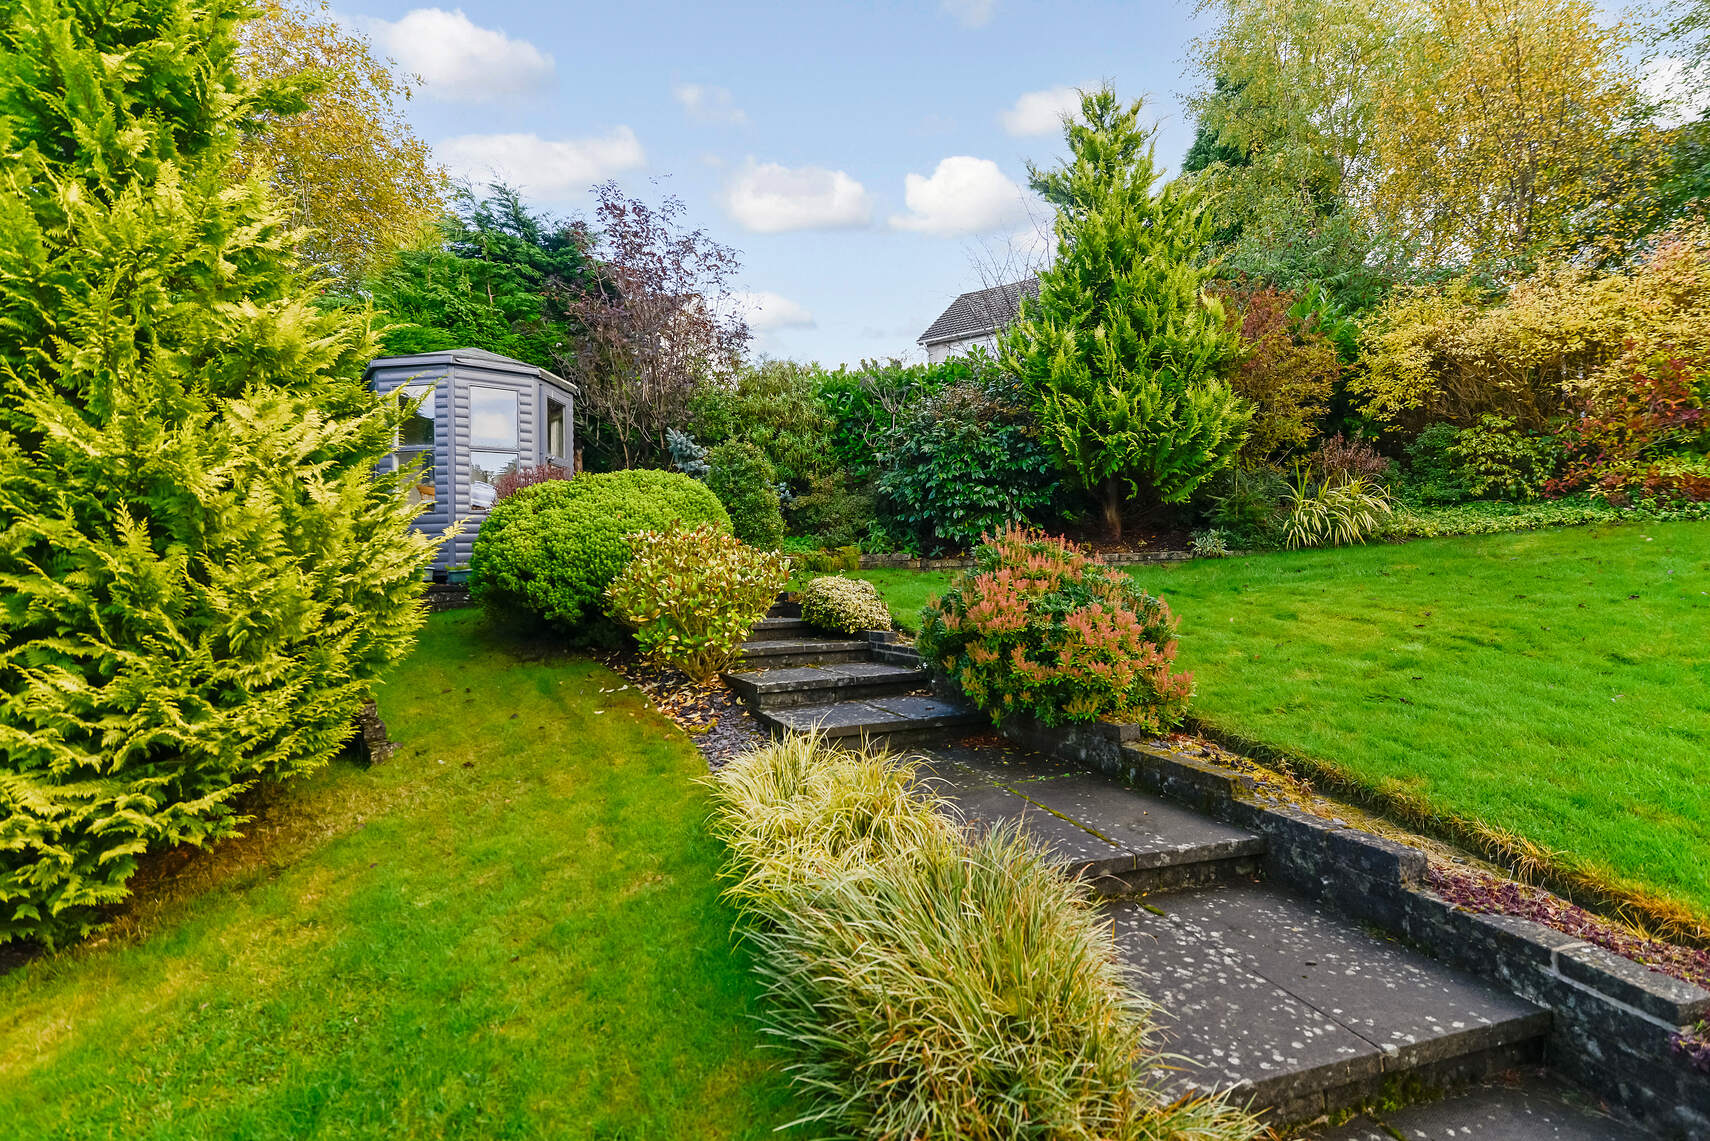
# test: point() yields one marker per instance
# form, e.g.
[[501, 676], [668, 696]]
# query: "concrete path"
[[1262, 994]]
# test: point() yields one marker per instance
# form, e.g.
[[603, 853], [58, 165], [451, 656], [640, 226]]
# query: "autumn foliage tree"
[[1123, 349], [330, 137], [658, 321], [1500, 127]]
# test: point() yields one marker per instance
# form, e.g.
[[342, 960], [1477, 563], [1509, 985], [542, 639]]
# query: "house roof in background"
[[979, 313]]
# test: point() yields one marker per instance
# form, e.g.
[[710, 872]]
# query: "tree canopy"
[[1123, 350], [331, 138]]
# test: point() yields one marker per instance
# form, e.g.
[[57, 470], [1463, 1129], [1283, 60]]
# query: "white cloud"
[[1040, 112], [970, 13], [769, 198], [458, 59], [712, 105], [546, 168], [1676, 88], [965, 195], [767, 312]]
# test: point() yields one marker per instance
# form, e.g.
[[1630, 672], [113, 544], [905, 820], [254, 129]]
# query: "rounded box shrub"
[[1037, 628], [552, 549], [848, 605]]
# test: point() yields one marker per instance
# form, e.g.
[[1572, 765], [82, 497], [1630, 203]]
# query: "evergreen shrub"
[[550, 551], [692, 594], [1039, 628], [845, 605], [745, 482], [967, 461], [201, 577]]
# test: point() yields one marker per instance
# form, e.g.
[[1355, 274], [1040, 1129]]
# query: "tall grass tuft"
[[930, 983]]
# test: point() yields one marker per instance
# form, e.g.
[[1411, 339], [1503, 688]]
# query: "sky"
[[867, 160]]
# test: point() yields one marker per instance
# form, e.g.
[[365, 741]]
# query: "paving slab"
[[1537, 1108], [1411, 1007], [1254, 979], [1156, 832], [1227, 1027]]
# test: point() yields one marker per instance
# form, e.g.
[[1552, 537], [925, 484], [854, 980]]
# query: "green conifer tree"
[[200, 574], [1124, 352]]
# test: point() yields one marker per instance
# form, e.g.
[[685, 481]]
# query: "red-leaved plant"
[[516, 479], [1039, 628]]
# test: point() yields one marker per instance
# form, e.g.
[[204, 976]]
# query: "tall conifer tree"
[[1124, 351], [200, 575]]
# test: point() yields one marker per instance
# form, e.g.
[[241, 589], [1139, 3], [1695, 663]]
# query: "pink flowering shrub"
[[1039, 628]]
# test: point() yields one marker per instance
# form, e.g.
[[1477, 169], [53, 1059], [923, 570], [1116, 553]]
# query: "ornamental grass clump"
[[692, 594], [844, 605], [927, 983], [1038, 628]]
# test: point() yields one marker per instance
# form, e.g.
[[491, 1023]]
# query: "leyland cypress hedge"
[[200, 576]]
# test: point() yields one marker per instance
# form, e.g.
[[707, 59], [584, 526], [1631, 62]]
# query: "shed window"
[[415, 450], [493, 441], [554, 430]]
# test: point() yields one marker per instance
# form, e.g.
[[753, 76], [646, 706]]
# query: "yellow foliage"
[[350, 169], [1564, 335], [1497, 135]]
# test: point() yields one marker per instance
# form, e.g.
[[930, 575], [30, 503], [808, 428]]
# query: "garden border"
[[967, 562], [1615, 1024]]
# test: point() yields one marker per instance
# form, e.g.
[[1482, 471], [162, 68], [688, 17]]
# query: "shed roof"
[[979, 313], [478, 357]]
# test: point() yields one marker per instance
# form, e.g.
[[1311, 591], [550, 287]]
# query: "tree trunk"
[[1113, 508]]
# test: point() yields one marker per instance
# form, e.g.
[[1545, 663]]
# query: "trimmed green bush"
[[692, 594], [745, 482], [1038, 628], [846, 605], [927, 984], [200, 576], [551, 550]]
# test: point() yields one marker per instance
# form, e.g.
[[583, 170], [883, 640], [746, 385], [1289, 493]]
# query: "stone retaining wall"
[[1614, 1022]]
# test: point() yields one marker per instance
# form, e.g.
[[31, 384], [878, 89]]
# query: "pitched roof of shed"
[[978, 313], [473, 356]]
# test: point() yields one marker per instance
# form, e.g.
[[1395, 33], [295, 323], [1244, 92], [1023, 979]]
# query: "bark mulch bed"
[[715, 719]]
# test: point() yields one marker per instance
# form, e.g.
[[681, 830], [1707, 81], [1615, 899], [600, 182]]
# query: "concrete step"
[[809, 651], [1532, 1107], [791, 686], [884, 720], [784, 608], [770, 629], [1121, 842], [1300, 1012]]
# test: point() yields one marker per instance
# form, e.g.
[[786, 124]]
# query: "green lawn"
[[511, 930], [1555, 684]]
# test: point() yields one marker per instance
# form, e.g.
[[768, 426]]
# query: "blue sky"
[[867, 159]]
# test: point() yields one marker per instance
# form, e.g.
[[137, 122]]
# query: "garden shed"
[[481, 416]]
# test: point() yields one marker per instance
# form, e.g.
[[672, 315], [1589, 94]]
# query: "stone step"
[[770, 629], [790, 686], [1532, 1107], [884, 720], [784, 608], [810, 651], [1299, 1012], [1120, 842]]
